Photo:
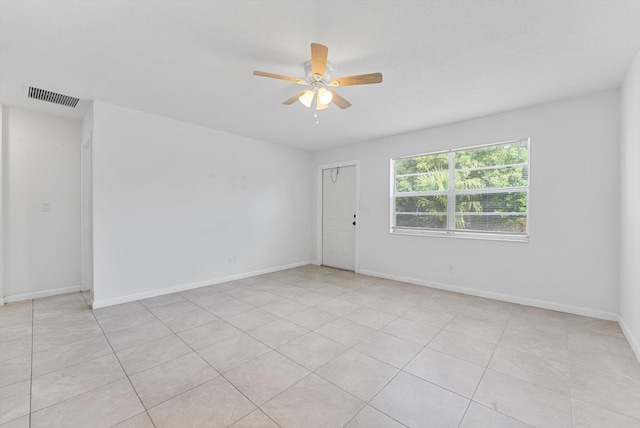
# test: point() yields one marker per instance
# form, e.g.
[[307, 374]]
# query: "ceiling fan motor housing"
[[312, 78]]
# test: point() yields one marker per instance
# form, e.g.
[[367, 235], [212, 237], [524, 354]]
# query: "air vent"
[[52, 97]]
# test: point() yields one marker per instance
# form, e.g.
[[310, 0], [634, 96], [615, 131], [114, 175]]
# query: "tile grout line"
[[352, 348], [31, 379], [124, 371], [401, 370], [422, 349], [71, 365], [310, 371], [98, 387], [484, 373], [486, 367], [175, 334], [209, 364], [295, 362]]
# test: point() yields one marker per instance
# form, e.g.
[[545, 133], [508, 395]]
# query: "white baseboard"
[[594, 313], [189, 286], [633, 342], [40, 294]]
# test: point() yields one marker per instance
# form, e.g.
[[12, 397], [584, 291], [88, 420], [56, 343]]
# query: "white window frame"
[[451, 192]]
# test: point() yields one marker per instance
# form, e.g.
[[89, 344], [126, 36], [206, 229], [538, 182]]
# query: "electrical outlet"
[[46, 206], [451, 269], [230, 260]]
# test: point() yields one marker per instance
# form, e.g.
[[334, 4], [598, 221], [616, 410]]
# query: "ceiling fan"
[[319, 83]]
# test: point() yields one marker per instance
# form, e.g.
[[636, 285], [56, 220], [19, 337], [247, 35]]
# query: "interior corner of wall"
[[634, 341]]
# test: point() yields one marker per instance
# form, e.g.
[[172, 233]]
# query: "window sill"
[[462, 235]]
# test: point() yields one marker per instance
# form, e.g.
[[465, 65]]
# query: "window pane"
[[425, 212], [423, 182], [493, 178], [500, 212], [422, 173], [492, 223], [502, 154]]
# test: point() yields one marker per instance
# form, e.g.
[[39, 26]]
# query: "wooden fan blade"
[[362, 79], [294, 98], [279, 76], [339, 101], [319, 58]]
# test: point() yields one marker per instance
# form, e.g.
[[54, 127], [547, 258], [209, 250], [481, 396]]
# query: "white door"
[[339, 217]]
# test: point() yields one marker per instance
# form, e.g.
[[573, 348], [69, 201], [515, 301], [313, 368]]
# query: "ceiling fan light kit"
[[324, 96], [306, 98], [318, 81]]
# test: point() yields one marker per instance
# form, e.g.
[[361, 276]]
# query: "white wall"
[[571, 261], [2, 204], [172, 201], [87, 122], [42, 249], [630, 207]]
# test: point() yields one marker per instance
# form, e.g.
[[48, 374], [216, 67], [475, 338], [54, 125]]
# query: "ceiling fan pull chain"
[[316, 116]]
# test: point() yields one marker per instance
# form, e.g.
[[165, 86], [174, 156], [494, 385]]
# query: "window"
[[476, 192]]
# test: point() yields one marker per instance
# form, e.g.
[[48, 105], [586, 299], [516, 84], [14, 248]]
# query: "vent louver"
[[52, 97]]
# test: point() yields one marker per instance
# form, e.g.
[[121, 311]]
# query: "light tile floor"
[[312, 347]]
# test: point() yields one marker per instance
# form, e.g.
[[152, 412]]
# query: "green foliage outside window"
[[489, 189]]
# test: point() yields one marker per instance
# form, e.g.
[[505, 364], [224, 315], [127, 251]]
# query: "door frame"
[[355, 163]]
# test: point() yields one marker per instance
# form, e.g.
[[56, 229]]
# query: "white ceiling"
[[442, 61]]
